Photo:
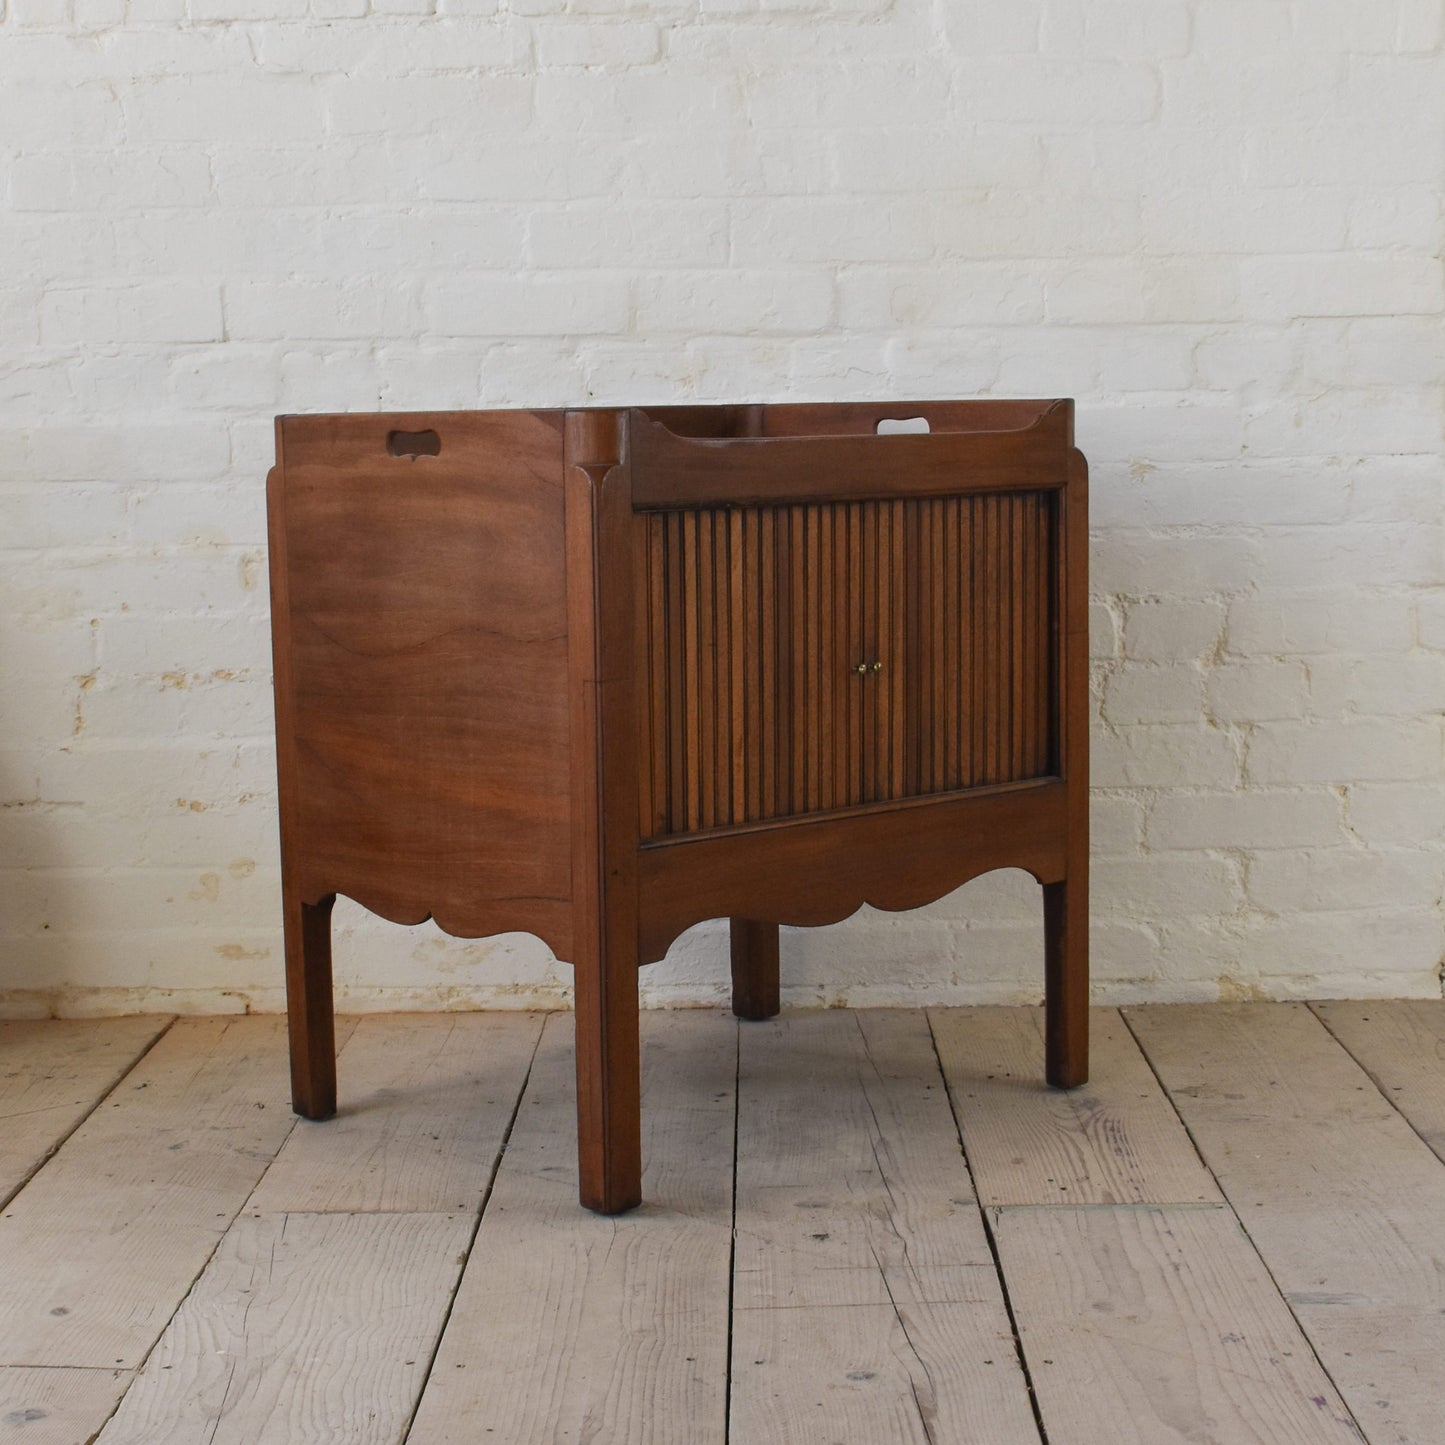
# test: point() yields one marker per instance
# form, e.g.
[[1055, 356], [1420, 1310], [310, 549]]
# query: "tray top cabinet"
[[600, 674]]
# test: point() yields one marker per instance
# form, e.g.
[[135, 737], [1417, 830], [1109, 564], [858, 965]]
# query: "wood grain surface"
[[53, 1072], [99, 1247], [858, 1299], [839, 462], [1400, 1044], [57, 1406], [1343, 1200], [428, 1101], [872, 693], [604, 673], [570, 1326], [424, 643], [303, 1328], [1160, 1326], [1117, 1140], [866, 1306]]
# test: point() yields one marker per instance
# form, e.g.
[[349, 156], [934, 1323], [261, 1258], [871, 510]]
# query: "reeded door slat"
[[805, 658]]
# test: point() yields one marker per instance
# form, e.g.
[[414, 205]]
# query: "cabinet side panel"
[[428, 644]]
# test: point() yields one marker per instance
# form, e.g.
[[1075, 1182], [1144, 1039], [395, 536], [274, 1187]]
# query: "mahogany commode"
[[600, 674]]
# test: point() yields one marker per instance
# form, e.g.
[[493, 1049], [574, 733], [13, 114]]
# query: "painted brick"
[[1143, 564], [1116, 824], [1062, 92], [1242, 28], [76, 182], [1256, 818], [848, 94], [1339, 26], [1167, 756], [746, 302], [911, 363], [1338, 151], [1420, 28], [590, 43], [1386, 944], [145, 313], [421, 104], [994, 29], [1147, 289], [121, 450], [958, 294], [1353, 422], [1172, 494], [1095, 359], [1117, 28], [1320, 881], [1194, 216], [1162, 429], [895, 161], [320, 310], [1172, 631], [1403, 215], [1304, 624], [1345, 752], [268, 110], [1154, 695], [536, 305], [1257, 692], [634, 101], [1103, 632], [1396, 489], [1431, 620], [1242, 356], [692, 237], [1410, 686], [1167, 886], [1396, 814], [1396, 555]]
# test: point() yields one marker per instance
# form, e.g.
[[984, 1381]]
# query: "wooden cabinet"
[[601, 674]]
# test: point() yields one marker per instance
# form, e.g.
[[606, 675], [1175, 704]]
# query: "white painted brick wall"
[[1216, 223]]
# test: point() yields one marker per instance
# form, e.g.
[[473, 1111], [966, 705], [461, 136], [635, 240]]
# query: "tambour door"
[[810, 657], [982, 589]]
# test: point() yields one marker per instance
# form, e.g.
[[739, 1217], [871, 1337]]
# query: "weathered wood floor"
[[1235, 1233]]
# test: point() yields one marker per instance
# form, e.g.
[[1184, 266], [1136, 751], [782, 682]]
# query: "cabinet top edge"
[[1035, 406]]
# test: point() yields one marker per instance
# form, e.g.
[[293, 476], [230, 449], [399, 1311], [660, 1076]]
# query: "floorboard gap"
[[205, 1265], [472, 1238], [1370, 1074], [55, 1148], [733, 1238], [1013, 1323], [1244, 1228]]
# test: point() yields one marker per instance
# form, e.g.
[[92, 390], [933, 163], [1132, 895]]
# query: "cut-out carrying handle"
[[413, 444], [899, 426]]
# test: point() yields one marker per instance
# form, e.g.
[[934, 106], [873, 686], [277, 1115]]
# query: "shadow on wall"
[[41, 888]]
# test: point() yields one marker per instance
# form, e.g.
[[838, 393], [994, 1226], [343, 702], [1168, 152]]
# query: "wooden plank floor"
[[869, 1227]]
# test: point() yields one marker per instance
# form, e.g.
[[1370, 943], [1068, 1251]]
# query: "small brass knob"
[[861, 669], [877, 667]]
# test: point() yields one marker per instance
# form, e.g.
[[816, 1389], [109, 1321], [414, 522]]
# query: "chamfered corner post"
[[601, 614], [754, 949], [310, 1017], [1066, 902]]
